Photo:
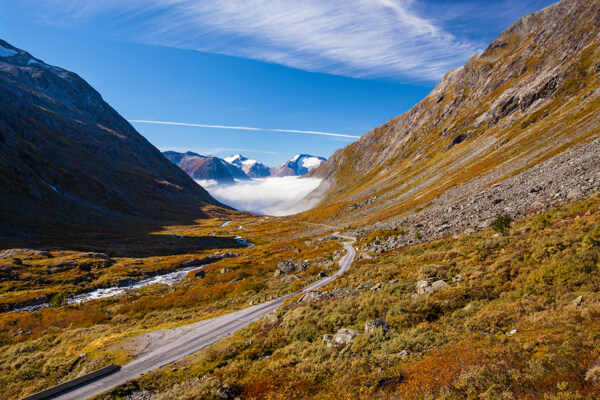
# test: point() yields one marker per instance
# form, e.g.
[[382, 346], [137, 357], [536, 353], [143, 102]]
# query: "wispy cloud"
[[218, 150], [245, 128], [358, 38]]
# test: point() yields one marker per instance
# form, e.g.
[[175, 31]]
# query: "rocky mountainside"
[[300, 164], [252, 168], [512, 131], [206, 167], [69, 162]]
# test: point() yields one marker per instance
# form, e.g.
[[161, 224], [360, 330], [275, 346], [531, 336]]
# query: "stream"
[[166, 279]]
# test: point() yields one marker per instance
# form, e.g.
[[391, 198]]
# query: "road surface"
[[197, 337]]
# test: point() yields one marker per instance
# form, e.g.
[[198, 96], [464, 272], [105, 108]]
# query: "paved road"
[[197, 337]]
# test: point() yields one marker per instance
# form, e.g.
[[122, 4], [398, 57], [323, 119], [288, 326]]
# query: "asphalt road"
[[199, 336]]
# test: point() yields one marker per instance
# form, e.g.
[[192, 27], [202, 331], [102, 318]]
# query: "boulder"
[[289, 278], [373, 325], [288, 266], [376, 287], [343, 337], [439, 285], [321, 275], [225, 270], [200, 274], [17, 261], [424, 287], [327, 338], [578, 301]]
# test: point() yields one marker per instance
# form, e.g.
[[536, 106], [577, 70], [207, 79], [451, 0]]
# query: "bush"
[[502, 223], [57, 300]]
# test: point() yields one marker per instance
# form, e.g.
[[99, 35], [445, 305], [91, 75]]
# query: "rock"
[[225, 270], [424, 287], [577, 301], [224, 392], [511, 333], [289, 278], [17, 261], [327, 338], [403, 354], [439, 285], [457, 278], [322, 275], [272, 317], [376, 287], [343, 337], [288, 266], [379, 323], [277, 273], [200, 274], [93, 255], [137, 262], [366, 256]]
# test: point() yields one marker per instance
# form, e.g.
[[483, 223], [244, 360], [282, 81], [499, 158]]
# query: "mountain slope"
[[206, 167], [531, 97], [68, 161], [300, 164], [252, 168]]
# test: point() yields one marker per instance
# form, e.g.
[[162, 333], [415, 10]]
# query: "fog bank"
[[270, 196]]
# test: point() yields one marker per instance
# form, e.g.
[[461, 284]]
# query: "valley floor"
[[480, 315]]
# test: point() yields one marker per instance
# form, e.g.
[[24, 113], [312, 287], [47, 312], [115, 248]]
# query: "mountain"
[[514, 130], [252, 168], [300, 164], [70, 162], [206, 167]]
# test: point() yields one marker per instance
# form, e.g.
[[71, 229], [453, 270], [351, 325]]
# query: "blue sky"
[[289, 69]]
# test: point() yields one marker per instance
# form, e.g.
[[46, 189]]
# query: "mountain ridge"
[[69, 161], [497, 116]]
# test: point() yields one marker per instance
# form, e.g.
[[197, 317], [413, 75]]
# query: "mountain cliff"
[[300, 164], [252, 168], [206, 167], [513, 130], [68, 161]]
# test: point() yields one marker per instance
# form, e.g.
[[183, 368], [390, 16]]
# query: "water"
[[166, 279]]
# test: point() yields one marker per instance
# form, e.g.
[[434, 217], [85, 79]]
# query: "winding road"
[[198, 336]]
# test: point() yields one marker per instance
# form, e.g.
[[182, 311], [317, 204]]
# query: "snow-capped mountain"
[[252, 168], [206, 167], [300, 164]]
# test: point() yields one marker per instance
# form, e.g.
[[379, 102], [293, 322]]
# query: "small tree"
[[502, 223], [57, 300]]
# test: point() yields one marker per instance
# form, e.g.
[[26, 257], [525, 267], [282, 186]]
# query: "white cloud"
[[358, 38], [244, 128], [270, 196]]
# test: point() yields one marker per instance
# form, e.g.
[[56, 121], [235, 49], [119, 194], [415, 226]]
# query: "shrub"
[[502, 223], [57, 300]]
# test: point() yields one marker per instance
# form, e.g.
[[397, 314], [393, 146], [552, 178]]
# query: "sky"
[[264, 78]]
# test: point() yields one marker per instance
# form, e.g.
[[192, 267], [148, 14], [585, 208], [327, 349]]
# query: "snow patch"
[[295, 158], [4, 52]]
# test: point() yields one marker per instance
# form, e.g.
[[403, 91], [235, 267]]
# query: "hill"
[[70, 163], [513, 130]]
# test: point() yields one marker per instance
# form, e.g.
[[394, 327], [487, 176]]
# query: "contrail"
[[245, 128]]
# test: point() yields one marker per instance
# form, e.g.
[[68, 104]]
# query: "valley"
[[451, 253]]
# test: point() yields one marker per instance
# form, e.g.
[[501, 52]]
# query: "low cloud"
[[270, 196]]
